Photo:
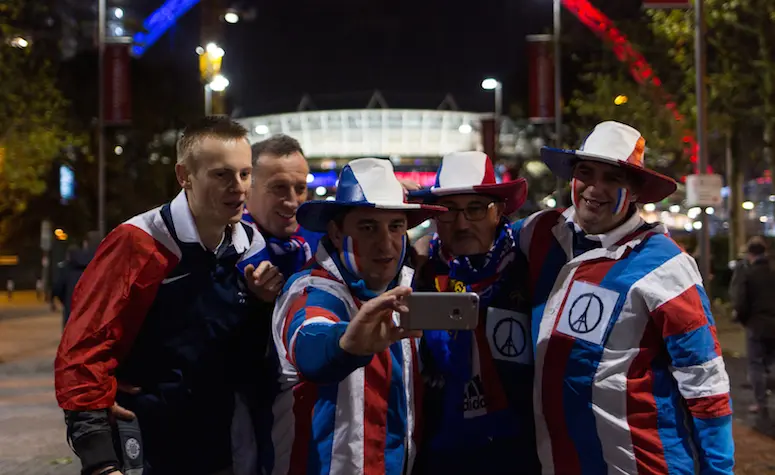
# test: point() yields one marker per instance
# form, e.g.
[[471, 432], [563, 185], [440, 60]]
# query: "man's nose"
[[461, 222]]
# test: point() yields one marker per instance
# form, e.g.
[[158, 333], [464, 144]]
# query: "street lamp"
[[231, 17], [19, 42], [491, 84], [218, 84]]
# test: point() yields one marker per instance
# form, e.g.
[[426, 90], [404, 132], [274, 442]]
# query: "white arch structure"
[[374, 132]]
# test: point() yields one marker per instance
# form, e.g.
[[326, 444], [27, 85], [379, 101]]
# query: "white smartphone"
[[441, 311]]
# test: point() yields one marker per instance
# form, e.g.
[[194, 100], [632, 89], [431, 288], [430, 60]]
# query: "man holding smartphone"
[[479, 417], [629, 373], [349, 383]]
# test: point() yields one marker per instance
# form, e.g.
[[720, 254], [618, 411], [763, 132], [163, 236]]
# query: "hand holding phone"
[[441, 311]]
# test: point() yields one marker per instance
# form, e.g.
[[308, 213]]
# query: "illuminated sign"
[[66, 183], [327, 179]]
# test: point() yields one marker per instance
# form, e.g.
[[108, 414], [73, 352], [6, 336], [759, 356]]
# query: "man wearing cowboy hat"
[[479, 418], [349, 375], [629, 374]]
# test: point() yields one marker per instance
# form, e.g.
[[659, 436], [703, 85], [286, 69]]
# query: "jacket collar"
[[614, 243], [185, 227]]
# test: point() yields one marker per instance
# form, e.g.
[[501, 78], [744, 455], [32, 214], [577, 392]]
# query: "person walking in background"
[[755, 308]]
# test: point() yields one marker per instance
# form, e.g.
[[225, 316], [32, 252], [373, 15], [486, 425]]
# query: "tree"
[[32, 117]]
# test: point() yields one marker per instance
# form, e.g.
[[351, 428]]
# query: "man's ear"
[[335, 234], [183, 175]]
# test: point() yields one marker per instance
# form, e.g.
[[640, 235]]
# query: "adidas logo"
[[473, 399]]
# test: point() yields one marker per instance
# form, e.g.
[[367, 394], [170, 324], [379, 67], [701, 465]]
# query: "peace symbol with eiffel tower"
[[585, 313]]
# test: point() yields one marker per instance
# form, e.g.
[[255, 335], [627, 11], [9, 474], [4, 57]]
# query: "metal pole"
[[101, 120], [498, 102], [702, 137], [560, 198], [208, 100]]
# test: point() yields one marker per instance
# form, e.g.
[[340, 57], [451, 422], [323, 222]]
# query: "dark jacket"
[[68, 273], [753, 298]]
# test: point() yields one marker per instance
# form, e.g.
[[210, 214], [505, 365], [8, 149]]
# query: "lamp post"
[[702, 123], [558, 92], [491, 84], [218, 84]]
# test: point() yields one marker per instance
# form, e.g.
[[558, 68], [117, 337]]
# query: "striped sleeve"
[[680, 308], [314, 323]]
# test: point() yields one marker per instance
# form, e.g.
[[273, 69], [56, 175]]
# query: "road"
[[32, 431]]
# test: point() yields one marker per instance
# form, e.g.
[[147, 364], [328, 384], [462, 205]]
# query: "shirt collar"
[[613, 236]]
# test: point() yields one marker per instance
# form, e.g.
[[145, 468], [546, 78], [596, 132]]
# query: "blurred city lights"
[[693, 212], [748, 205], [320, 191], [763, 219], [649, 207], [465, 129], [200, 51], [620, 99], [310, 177], [675, 208], [19, 42], [709, 210], [551, 202], [697, 225], [219, 83], [118, 150], [262, 129], [118, 13]]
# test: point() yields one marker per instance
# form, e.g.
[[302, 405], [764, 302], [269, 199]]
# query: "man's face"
[[602, 196], [279, 188], [468, 228], [217, 179], [377, 241]]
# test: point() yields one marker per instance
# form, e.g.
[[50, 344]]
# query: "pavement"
[[32, 429]]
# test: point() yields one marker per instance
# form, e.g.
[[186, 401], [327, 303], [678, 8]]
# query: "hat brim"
[[315, 215], [656, 186], [512, 193]]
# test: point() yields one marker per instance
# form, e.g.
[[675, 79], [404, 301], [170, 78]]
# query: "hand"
[[372, 330], [409, 185], [265, 281], [118, 412]]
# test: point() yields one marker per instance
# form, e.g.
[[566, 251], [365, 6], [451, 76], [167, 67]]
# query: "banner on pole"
[[490, 138], [541, 84], [666, 4], [118, 105]]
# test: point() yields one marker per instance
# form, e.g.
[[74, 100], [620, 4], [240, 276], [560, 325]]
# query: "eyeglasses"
[[472, 212]]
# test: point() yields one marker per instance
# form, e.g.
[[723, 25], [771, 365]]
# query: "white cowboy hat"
[[369, 183], [616, 144], [463, 173]]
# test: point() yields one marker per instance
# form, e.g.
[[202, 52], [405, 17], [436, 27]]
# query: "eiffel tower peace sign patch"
[[587, 312]]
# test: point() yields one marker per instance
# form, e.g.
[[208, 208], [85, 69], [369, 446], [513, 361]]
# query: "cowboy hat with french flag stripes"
[[616, 144], [366, 183], [466, 173]]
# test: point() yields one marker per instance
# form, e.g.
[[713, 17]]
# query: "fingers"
[[388, 300], [275, 284], [249, 270], [121, 413], [265, 273]]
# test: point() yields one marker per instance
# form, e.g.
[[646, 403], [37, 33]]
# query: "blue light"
[[325, 179], [159, 22], [66, 183]]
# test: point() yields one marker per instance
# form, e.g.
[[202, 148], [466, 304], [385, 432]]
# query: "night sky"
[[339, 51]]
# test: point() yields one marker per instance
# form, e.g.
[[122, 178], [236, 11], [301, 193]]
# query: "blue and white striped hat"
[[365, 182]]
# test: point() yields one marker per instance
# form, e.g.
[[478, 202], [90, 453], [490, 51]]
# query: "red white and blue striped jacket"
[[629, 373], [338, 413]]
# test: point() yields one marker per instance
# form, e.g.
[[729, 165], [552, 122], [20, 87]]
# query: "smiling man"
[[279, 187], [629, 376], [163, 329], [349, 376]]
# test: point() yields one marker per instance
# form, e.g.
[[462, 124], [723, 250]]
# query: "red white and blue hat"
[[616, 144], [369, 183], [466, 173]]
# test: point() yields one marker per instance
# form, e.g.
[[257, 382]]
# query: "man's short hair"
[[278, 145], [221, 127]]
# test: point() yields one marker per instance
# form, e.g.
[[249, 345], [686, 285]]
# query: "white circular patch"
[[132, 447]]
